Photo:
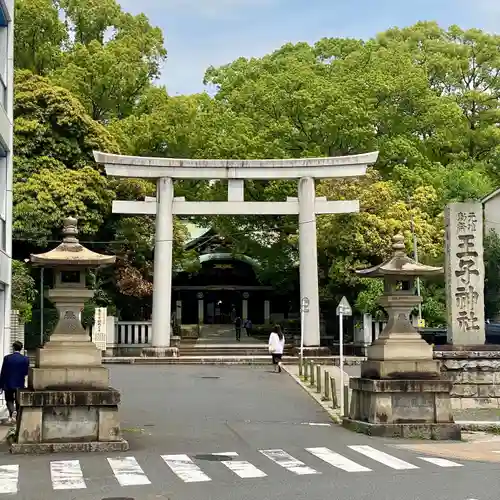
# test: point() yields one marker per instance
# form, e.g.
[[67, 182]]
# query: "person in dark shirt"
[[12, 377], [237, 326]]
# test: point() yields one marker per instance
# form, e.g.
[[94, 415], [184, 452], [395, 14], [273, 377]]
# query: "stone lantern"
[[68, 405], [400, 392]]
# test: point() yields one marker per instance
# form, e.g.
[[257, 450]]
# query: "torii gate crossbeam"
[[166, 205]]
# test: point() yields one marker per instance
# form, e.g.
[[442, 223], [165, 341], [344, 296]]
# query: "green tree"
[[55, 173], [23, 290], [39, 37], [50, 124], [109, 75], [104, 56], [48, 196], [492, 275]]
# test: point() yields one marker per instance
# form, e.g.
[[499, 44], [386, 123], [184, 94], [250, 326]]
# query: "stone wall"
[[475, 376]]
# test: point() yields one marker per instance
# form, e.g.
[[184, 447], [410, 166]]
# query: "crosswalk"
[[126, 471]]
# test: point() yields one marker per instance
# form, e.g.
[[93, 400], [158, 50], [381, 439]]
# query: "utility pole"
[[415, 256]]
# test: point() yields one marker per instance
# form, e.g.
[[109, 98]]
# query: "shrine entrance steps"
[[220, 340]]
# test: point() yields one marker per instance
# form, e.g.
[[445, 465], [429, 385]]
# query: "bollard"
[[346, 400], [301, 368], [312, 382], [308, 370], [318, 379], [327, 386], [335, 403]]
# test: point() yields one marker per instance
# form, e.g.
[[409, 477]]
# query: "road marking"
[[128, 472], [241, 468], [185, 468], [337, 460], [290, 463], [440, 462], [9, 476], [383, 458], [67, 475], [316, 424]]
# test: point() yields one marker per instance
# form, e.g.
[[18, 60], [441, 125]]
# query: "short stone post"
[[312, 378], [346, 400], [335, 403], [306, 370], [318, 379], [327, 386]]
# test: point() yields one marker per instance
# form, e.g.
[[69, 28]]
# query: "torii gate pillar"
[[165, 206], [162, 268], [308, 261]]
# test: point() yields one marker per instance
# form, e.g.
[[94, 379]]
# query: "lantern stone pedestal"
[[400, 392], [68, 405]]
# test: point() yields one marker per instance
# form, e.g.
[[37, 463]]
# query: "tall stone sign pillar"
[[465, 273]]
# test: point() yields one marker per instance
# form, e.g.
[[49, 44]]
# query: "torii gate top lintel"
[[295, 168]]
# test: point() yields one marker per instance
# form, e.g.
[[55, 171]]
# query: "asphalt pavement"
[[238, 433]]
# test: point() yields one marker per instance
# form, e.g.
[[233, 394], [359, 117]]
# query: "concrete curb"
[[327, 405]]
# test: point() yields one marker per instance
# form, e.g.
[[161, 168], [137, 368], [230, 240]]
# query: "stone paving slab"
[[481, 447]]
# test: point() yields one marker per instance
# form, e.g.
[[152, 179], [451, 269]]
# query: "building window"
[[4, 52], [3, 235], [3, 184]]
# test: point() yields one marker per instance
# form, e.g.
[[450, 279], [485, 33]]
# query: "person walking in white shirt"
[[276, 347]]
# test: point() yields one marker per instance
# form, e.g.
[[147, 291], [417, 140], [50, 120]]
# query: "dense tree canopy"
[[427, 98]]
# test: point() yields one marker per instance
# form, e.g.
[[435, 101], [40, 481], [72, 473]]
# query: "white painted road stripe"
[[316, 424], [290, 463], [441, 462], [241, 468], [337, 460], [383, 458], [128, 472], [67, 475], [9, 476], [185, 468]]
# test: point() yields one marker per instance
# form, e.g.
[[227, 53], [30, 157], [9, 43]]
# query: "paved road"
[[238, 433]]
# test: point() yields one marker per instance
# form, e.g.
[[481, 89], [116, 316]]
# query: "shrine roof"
[[491, 196], [400, 264], [71, 252], [195, 232]]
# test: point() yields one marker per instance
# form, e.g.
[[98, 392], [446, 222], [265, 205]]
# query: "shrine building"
[[224, 286]]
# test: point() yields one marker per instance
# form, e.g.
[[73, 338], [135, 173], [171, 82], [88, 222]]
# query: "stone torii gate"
[[166, 205]]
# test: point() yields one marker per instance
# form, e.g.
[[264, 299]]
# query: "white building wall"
[[6, 167], [492, 214]]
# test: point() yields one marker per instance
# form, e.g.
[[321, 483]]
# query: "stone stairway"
[[220, 341]]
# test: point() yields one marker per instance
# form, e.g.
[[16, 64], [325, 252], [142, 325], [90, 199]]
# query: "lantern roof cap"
[[71, 252], [399, 264]]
